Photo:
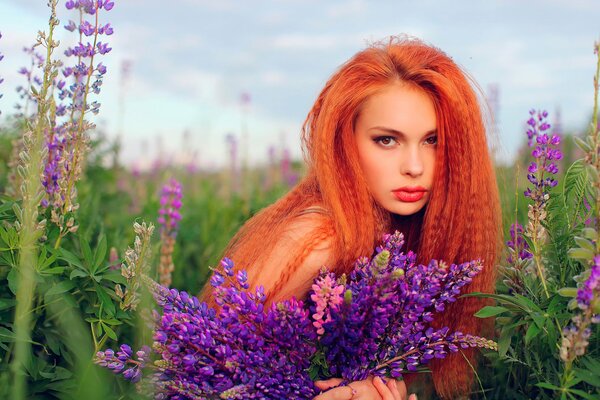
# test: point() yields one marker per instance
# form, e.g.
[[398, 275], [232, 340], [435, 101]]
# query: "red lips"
[[409, 194]]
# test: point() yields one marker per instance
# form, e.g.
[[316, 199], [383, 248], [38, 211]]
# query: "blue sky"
[[191, 60]]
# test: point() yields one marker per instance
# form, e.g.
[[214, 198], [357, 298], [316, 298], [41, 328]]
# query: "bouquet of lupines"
[[377, 320], [373, 322]]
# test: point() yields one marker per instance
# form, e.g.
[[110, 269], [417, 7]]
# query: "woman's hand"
[[369, 389]]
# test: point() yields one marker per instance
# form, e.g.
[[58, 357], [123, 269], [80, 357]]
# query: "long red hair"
[[460, 223]]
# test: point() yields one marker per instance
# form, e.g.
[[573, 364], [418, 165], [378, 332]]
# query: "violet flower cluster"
[[85, 68], [123, 361], [374, 322], [243, 351], [169, 217], [33, 80], [518, 244], [380, 324], [66, 141], [170, 204], [545, 153], [576, 335]]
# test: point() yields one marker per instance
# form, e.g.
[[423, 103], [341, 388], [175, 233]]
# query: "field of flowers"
[[79, 251]]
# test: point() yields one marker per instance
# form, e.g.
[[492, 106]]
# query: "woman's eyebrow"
[[399, 133]]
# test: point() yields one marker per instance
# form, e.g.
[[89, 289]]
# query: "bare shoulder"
[[306, 226], [308, 238]]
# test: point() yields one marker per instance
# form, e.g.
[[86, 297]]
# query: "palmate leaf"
[[577, 190]]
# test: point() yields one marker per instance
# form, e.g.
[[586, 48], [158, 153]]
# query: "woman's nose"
[[412, 163]]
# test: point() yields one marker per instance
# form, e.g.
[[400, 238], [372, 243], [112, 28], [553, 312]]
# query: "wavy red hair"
[[461, 222]]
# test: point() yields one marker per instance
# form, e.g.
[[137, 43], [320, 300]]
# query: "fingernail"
[[395, 384]]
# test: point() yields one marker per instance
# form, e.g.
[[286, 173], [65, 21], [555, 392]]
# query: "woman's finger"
[[340, 393], [393, 386], [401, 387], [383, 390], [329, 383]]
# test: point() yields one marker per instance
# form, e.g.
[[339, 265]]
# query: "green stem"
[[29, 234]]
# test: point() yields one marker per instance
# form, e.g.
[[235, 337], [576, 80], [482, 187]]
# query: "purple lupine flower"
[[518, 244], [169, 217], [65, 141], [576, 335], [382, 326], [123, 362], [83, 70], [545, 154], [170, 204], [379, 326], [590, 287], [24, 91]]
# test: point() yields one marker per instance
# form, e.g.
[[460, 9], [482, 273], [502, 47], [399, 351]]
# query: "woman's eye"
[[431, 140], [385, 141]]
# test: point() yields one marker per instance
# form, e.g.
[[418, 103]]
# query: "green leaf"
[[532, 332], [53, 271], [114, 276], [504, 342], [71, 259], [582, 144], [591, 364], [7, 335], [100, 252], [538, 319], [86, 251], [105, 299], [61, 287], [111, 334], [584, 394], [490, 311], [547, 385], [13, 280], [588, 377], [77, 273], [5, 304]]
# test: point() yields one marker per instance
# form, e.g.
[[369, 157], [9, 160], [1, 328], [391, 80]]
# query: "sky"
[[190, 61]]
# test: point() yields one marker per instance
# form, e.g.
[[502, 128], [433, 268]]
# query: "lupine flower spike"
[[67, 142], [541, 175], [169, 217], [576, 335]]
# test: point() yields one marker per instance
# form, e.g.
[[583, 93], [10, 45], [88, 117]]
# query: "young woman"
[[395, 141]]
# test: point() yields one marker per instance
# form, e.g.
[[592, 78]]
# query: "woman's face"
[[396, 138]]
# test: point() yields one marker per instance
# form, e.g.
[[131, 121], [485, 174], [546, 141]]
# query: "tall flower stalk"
[[169, 217], [30, 230], [136, 264], [575, 336], [541, 172], [68, 141]]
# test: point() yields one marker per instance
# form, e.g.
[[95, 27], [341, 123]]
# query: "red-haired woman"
[[395, 140]]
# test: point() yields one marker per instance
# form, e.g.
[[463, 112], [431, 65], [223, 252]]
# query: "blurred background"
[[214, 94], [188, 78]]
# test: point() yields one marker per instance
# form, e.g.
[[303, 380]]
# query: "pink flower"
[[325, 292]]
